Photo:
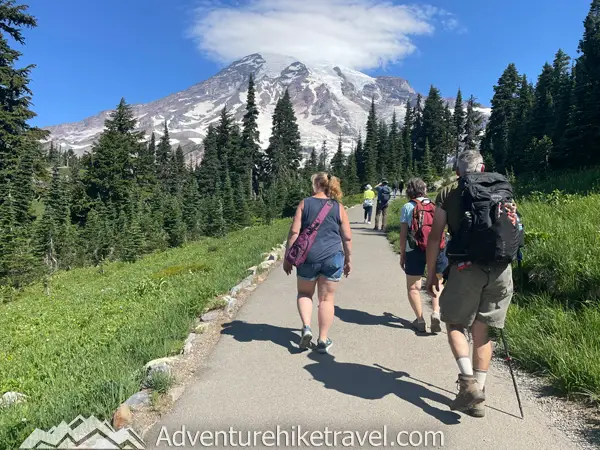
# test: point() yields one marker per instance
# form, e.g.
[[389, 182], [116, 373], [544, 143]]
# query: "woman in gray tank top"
[[328, 259]]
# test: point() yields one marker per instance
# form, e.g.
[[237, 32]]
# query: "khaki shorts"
[[478, 292]]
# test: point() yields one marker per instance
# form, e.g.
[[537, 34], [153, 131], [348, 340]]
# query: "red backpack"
[[422, 220]]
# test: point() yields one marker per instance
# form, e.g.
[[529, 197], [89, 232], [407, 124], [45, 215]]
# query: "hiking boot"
[[419, 325], [468, 395], [306, 337], [436, 325], [323, 347], [478, 410]]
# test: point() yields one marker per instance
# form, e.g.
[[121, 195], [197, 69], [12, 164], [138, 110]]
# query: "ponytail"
[[328, 184]]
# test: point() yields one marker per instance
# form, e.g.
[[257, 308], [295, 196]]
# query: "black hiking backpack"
[[486, 233], [384, 196]]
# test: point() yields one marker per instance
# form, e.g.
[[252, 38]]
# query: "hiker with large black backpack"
[[480, 213], [384, 194]]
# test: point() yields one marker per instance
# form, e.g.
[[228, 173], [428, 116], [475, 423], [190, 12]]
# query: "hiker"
[[415, 225], [327, 259], [384, 193], [395, 189], [368, 197], [401, 186], [481, 217]]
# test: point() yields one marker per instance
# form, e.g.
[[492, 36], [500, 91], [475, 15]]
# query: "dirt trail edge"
[[380, 374]]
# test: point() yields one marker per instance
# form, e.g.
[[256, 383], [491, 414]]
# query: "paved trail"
[[256, 378]]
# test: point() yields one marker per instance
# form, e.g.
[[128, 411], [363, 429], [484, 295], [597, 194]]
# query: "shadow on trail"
[[364, 318], [373, 383], [248, 332]]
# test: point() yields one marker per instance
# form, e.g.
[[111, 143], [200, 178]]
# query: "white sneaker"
[[369, 223]]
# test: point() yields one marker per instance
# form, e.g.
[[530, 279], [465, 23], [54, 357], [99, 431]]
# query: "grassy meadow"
[[81, 349]]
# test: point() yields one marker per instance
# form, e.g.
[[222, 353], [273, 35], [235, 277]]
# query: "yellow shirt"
[[369, 195]]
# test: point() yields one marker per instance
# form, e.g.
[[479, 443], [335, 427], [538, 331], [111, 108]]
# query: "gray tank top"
[[329, 238]]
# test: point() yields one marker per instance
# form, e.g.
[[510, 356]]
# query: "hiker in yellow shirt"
[[369, 196]]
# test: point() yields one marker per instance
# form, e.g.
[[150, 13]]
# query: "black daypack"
[[384, 196], [486, 234]]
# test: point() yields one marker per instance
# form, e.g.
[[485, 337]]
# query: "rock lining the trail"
[[138, 411]]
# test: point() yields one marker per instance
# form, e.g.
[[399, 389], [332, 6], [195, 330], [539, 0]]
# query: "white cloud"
[[360, 34]]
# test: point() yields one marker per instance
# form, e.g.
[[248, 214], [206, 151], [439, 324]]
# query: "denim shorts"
[[331, 268], [416, 262]]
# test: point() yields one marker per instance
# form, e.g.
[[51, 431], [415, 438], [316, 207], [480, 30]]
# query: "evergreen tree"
[[350, 180], [427, 167], [192, 207], [459, 123], [584, 147], [110, 173], [174, 225], [538, 154], [418, 134], [243, 216], [146, 164], [338, 160], [214, 223], [396, 150], [504, 105], [407, 136], [229, 212], [562, 89], [361, 160], [80, 202], [163, 158], [284, 151], [178, 172], [520, 131], [434, 128], [310, 167], [383, 150], [209, 173], [251, 139], [323, 156], [542, 117], [370, 150], [473, 126]]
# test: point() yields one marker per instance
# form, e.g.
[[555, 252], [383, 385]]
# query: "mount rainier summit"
[[328, 100]]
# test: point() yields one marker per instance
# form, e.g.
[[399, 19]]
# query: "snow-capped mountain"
[[328, 100]]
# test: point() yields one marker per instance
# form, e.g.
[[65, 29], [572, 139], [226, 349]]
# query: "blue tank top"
[[329, 238]]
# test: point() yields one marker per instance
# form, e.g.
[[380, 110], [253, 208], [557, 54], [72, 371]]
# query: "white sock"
[[465, 366], [481, 376]]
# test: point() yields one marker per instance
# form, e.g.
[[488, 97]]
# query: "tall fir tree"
[[370, 149], [146, 164], [312, 163], [209, 173], [459, 123], [110, 175], [284, 151], [323, 157], [163, 158], [504, 105], [338, 160], [542, 116], [417, 132], [251, 141], [407, 137], [473, 125], [350, 180], [562, 90], [434, 128], [383, 150], [361, 160], [427, 168], [520, 129]]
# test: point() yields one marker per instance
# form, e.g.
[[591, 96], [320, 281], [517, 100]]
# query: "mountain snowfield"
[[328, 100]]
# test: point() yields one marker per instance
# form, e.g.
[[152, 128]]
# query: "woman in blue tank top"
[[328, 258]]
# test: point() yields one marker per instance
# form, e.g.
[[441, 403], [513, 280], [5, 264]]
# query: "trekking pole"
[[509, 360]]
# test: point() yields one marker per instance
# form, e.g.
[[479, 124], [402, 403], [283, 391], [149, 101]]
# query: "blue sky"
[[91, 53]]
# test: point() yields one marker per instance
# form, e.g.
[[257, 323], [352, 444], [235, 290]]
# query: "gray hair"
[[469, 161], [416, 188]]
